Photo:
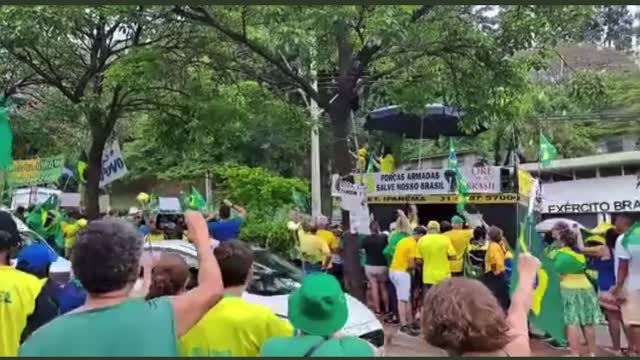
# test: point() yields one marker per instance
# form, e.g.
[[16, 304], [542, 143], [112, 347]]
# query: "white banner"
[[480, 179], [113, 166], [598, 195], [354, 200]]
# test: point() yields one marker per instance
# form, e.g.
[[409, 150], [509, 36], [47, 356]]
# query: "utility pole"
[[316, 194]]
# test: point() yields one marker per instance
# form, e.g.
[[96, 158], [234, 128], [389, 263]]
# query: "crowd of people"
[[444, 281]]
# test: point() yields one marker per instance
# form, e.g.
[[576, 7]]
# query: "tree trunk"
[[92, 188]]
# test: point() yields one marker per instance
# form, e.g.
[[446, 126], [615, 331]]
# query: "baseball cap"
[[36, 257], [319, 306], [433, 225], [457, 220], [420, 230]]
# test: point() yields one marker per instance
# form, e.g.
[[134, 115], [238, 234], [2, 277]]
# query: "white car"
[[274, 279], [60, 270]]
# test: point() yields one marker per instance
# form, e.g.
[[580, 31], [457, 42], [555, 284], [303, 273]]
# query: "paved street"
[[404, 345]]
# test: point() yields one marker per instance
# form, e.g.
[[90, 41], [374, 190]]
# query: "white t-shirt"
[[633, 255]]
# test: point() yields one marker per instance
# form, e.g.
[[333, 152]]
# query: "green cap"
[[319, 306], [457, 220]]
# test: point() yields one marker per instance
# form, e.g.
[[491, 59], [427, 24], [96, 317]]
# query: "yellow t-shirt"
[[460, 239], [70, 230], [329, 238], [434, 250], [405, 251], [18, 293], [387, 164], [495, 258], [313, 248], [154, 237], [233, 327]]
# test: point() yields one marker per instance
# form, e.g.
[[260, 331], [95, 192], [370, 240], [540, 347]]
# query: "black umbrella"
[[437, 120]]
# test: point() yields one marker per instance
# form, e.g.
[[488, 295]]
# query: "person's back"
[[228, 226], [460, 239], [435, 251], [18, 292], [109, 332], [234, 327], [373, 246]]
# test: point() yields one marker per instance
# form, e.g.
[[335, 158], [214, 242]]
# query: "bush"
[[268, 199]]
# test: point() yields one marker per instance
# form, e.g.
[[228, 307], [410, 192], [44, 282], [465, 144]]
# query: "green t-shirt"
[[132, 328], [298, 346]]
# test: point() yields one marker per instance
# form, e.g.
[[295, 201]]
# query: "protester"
[[313, 250], [461, 317], [401, 231], [604, 260], [400, 274], [627, 286], [227, 227], [580, 303], [333, 262], [495, 276], [70, 229], [155, 234], [106, 261], [445, 226], [169, 276], [433, 253], [376, 268], [234, 326], [413, 217], [20, 213], [387, 162], [36, 260], [474, 265], [460, 239], [318, 310], [18, 291]]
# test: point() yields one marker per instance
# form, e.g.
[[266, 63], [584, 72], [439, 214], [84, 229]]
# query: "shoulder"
[[46, 338], [291, 346], [25, 279]]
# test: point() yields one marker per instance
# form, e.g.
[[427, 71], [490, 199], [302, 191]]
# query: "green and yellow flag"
[[301, 201], [548, 152], [462, 187], [546, 309], [194, 201]]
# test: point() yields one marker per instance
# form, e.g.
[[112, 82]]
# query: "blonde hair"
[[403, 224]]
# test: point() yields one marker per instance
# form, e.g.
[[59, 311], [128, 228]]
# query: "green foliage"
[[267, 199]]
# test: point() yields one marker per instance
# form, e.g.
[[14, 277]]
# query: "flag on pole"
[[6, 139], [632, 238], [301, 201], [194, 201], [548, 152], [462, 187], [546, 307]]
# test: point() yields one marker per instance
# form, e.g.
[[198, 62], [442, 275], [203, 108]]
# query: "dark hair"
[[611, 237], [235, 259], [461, 315], [224, 212], [479, 233], [445, 226], [106, 256], [386, 150], [11, 237], [548, 238], [169, 276], [374, 227], [566, 235], [20, 210]]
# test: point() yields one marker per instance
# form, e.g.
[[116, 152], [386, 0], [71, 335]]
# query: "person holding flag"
[[580, 303]]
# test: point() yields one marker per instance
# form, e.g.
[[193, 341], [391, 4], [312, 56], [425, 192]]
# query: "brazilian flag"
[[546, 310], [301, 201], [82, 167], [462, 187], [194, 201]]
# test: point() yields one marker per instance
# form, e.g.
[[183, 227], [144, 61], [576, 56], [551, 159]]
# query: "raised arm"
[[192, 305], [528, 266]]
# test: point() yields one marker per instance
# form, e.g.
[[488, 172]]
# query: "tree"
[[83, 52], [612, 26]]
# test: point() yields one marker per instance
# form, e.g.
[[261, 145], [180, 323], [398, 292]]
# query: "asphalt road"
[[399, 344]]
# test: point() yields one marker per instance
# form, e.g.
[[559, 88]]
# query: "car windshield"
[[273, 275]]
